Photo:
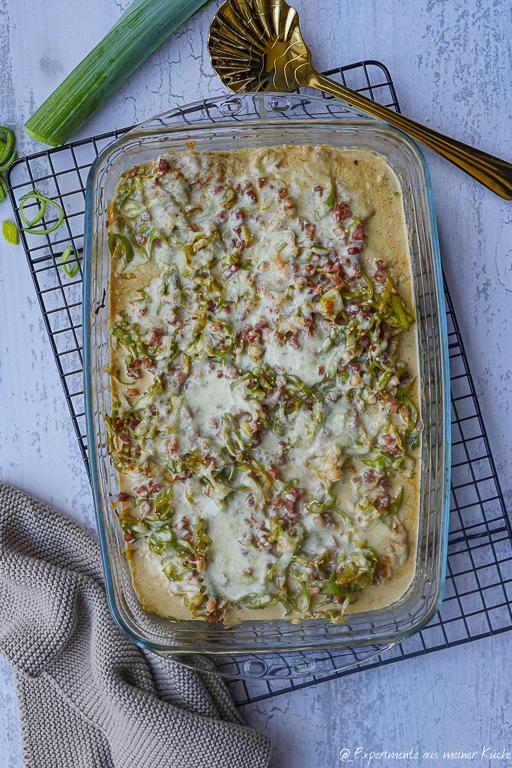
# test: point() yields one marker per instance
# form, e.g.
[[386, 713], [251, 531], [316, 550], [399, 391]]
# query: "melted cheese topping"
[[263, 360]]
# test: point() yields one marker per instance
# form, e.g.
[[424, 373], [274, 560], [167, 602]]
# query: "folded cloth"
[[87, 696]]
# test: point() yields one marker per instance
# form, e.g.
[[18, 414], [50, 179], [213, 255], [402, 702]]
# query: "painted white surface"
[[451, 63]]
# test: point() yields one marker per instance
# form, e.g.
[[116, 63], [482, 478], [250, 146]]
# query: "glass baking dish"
[[258, 648]]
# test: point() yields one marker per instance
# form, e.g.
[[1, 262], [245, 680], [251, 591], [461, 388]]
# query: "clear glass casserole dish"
[[279, 648]]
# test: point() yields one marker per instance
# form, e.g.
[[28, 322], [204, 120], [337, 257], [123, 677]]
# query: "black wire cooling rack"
[[478, 594]]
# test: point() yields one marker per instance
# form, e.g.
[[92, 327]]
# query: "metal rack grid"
[[478, 592]]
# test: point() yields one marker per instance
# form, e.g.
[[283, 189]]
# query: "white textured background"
[[451, 64]]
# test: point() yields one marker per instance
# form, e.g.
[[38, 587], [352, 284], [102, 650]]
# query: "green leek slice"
[[10, 232], [73, 269]]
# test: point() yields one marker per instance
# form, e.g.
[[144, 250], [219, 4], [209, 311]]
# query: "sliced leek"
[[141, 29], [10, 232], [73, 269], [30, 228]]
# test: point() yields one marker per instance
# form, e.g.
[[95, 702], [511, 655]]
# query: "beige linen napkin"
[[87, 696]]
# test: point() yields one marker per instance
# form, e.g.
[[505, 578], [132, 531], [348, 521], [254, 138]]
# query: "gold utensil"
[[256, 45]]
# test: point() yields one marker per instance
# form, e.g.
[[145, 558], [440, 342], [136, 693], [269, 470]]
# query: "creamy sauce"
[[256, 375]]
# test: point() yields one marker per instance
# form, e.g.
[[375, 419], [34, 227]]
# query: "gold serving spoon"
[[256, 45]]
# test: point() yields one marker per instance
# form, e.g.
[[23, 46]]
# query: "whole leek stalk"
[[141, 29]]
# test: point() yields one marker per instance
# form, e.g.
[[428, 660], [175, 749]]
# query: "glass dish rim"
[[352, 119]]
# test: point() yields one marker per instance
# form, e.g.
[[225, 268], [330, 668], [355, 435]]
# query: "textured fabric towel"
[[87, 696]]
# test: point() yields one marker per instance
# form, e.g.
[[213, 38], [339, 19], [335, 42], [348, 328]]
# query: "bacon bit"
[[282, 193], [338, 282], [133, 171], [273, 471], [179, 378], [122, 496], [221, 217], [261, 182], [163, 165], [154, 487], [352, 251], [261, 325], [294, 342], [237, 216], [148, 364], [136, 450], [309, 269], [318, 190], [288, 203], [251, 194], [200, 563], [128, 537], [307, 227], [157, 242], [141, 239], [358, 234], [218, 189], [124, 437], [380, 264], [404, 376], [186, 412], [333, 396], [145, 216], [341, 212], [365, 341], [173, 319], [382, 502], [143, 491], [134, 423], [383, 482], [314, 590], [211, 605], [380, 276], [231, 270], [156, 335], [390, 443]]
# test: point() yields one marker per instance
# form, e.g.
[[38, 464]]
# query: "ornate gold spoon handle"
[[490, 171]]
